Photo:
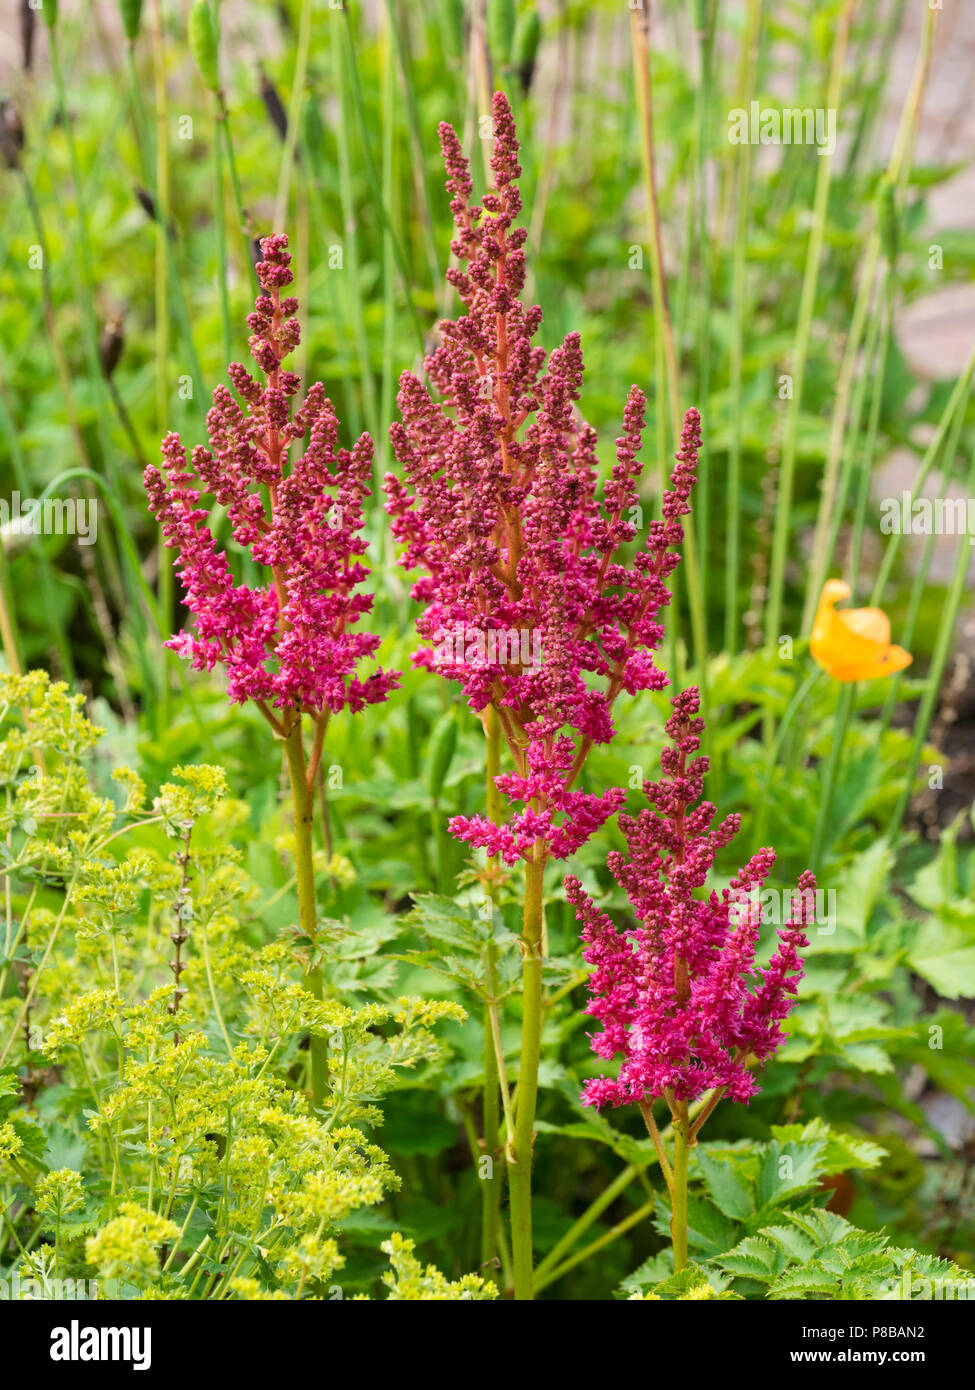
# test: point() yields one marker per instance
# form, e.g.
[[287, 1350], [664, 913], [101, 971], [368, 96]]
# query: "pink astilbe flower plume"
[[526, 599], [289, 643], [679, 995]]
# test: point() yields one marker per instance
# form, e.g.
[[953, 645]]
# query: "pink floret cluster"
[[501, 507], [288, 642], [679, 995]]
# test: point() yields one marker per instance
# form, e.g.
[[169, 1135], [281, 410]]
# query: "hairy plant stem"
[[493, 1052], [520, 1148], [303, 803], [678, 1219]]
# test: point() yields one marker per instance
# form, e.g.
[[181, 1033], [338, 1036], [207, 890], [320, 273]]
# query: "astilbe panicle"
[[287, 643], [676, 994], [526, 598]]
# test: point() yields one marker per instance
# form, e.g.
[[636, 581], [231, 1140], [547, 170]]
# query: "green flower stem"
[[807, 304], [798, 702], [35, 979], [220, 230], [593, 1248], [374, 185], [678, 1219], [605, 1199], [946, 629], [213, 990], [870, 443], [823, 817], [847, 460], [425, 199], [304, 816], [520, 1148], [291, 136], [243, 217], [898, 169], [493, 1054], [949, 428], [352, 278], [704, 20], [668, 373], [750, 45], [955, 410], [166, 578]]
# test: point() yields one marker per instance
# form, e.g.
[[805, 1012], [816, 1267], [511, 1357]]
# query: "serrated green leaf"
[[788, 1169], [753, 1258], [731, 1193], [802, 1281]]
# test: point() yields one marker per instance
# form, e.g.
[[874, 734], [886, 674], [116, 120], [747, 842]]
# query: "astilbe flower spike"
[[287, 644], [675, 994], [527, 602]]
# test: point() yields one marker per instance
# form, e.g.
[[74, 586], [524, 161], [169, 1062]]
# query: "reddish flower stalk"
[[288, 644], [527, 600], [672, 993]]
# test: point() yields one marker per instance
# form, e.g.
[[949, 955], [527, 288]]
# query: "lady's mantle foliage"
[[501, 508], [672, 993], [288, 642]]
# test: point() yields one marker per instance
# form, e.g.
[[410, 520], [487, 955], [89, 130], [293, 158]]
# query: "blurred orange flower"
[[854, 644]]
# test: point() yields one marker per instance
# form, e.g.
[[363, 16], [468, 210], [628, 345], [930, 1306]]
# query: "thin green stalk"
[[918, 589], [807, 304], [824, 814], [798, 702], [593, 1248], [294, 111], [166, 577], [58, 636], [520, 1148], [491, 1184], [898, 170], [955, 412], [148, 173], [389, 260], [90, 338], [373, 180], [312, 152], [213, 989], [946, 631], [705, 23], [668, 375], [738, 288], [220, 229], [949, 427], [849, 450], [870, 444], [352, 271], [592, 1213], [678, 1218], [303, 803], [243, 218], [421, 179]]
